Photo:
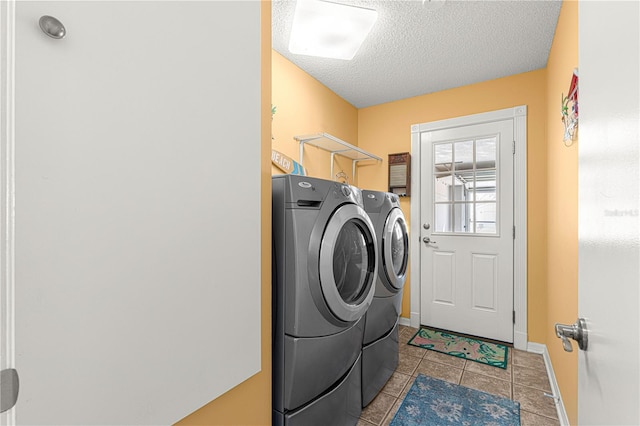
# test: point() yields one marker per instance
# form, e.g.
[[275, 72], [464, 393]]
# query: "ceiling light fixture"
[[329, 30]]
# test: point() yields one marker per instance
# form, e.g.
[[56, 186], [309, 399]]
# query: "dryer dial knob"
[[346, 191]]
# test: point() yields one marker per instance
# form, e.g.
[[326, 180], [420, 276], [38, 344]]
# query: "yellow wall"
[[385, 129], [562, 208], [304, 106], [250, 402]]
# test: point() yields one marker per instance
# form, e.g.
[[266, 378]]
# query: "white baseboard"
[[539, 348], [536, 348], [404, 321]]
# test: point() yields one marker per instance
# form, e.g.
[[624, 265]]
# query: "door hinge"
[[9, 385], [514, 317], [514, 232], [514, 147]]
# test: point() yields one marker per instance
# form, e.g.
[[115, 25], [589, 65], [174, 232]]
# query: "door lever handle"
[[9, 385], [577, 332], [427, 240]]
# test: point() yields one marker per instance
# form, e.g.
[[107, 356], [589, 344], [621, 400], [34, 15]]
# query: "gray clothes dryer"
[[380, 343], [324, 269]]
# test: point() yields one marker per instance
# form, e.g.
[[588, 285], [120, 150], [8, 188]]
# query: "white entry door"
[[609, 221], [466, 217]]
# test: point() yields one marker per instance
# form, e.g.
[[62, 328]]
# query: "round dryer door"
[[348, 267], [395, 248]]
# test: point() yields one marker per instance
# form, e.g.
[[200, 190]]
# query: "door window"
[[399, 245], [465, 186], [395, 253], [347, 262], [353, 261]]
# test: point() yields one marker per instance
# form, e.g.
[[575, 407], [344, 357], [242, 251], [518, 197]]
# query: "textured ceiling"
[[413, 50]]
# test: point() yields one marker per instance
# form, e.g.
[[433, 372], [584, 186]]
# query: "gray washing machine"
[[324, 270], [380, 343]]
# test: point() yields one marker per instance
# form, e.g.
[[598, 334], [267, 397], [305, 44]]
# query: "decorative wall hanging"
[[570, 110], [400, 174], [287, 164], [273, 112]]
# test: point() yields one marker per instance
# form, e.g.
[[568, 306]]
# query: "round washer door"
[[395, 248], [348, 265]]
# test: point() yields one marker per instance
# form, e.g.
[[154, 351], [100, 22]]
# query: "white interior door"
[[467, 229], [609, 204], [127, 265]]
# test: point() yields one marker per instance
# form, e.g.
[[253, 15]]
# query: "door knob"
[[52, 27], [577, 332], [427, 240]]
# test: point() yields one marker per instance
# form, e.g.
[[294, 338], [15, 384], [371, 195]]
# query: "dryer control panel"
[[308, 192]]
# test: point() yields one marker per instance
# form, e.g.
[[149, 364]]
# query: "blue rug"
[[433, 402]]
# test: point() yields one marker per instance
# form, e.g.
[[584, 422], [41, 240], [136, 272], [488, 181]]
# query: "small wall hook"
[[342, 177], [52, 27]]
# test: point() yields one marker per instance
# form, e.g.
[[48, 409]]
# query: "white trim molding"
[[539, 348], [520, 337], [519, 116], [404, 321], [7, 192], [414, 254]]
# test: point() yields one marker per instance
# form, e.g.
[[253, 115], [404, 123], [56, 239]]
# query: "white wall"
[[137, 203]]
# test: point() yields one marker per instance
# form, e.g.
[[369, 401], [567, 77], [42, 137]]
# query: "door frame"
[[519, 116], [7, 191]]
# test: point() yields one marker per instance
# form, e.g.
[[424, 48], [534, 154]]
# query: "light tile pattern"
[[525, 380]]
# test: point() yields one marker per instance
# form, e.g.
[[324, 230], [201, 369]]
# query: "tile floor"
[[525, 380]]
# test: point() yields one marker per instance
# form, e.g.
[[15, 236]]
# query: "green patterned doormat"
[[493, 354], [433, 402]]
